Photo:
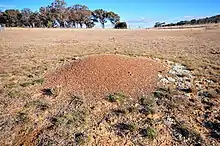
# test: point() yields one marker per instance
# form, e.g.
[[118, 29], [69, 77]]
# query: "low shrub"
[[121, 25]]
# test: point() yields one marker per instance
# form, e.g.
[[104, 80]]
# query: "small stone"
[[180, 70], [188, 94], [172, 72], [157, 59], [75, 58], [164, 80], [160, 76], [186, 87], [171, 79]]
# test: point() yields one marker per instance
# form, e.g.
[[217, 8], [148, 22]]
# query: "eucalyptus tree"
[[35, 20], [57, 14], [12, 17], [113, 17], [101, 16], [79, 15], [25, 17]]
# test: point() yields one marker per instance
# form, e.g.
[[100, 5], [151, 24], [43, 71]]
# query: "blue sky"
[[143, 13]]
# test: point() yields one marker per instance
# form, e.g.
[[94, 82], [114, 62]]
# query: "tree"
[[213, 19], [25, 17], [80, 14], [89, 24], [113, 17], [182, 23], [35, 20], [101, 16], [53, 13], [12, 17], [58, 11], [193, 21], [45, 16], [159, 24], [2, 18], [71, 16], [57, 14]]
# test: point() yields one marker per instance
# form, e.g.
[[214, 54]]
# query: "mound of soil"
[[100, 75]]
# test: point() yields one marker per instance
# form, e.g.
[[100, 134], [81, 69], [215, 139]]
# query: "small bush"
[[125, 127], [148, 132], [80, 138], [121, 25], [148, 105], [147, 101], [116, 97]]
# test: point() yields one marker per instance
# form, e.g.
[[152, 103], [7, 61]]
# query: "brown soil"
[[100, 75]]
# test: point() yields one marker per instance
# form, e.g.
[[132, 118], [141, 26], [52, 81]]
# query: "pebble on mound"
[[101, 75]]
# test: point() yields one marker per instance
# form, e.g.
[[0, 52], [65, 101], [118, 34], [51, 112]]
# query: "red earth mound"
[[100, 75]]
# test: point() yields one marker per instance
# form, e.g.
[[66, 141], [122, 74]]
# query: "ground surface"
[[176, 113], [96, 76]]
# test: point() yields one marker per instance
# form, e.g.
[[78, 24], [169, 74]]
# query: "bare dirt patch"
[[100, 75]]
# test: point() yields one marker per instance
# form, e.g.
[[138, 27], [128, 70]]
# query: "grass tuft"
[[148, 132], [116, 97], [34, 82]]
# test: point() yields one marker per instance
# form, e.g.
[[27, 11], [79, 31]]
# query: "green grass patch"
[[148, 104], [148, 132], [116, 97]]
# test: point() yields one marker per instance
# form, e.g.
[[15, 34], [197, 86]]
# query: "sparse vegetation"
[[148, 105], [38, 104], [125, 127], [148, 132], [14, 94], [116, 97], [37, 81], [181, 133], [80, 138], [21, 118], [50, 117]]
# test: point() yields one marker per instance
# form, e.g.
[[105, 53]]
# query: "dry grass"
[[27, 54]]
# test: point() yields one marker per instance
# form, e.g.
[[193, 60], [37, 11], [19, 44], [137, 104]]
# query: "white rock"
[[160, 76], [164, 80], [171, 79]]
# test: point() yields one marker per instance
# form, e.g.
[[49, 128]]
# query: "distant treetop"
[[213, 19]]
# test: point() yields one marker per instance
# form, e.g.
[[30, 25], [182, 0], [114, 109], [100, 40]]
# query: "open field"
[[188, 116]]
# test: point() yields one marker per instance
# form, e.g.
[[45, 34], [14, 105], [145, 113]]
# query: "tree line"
[[57, 14], [213, 19]]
